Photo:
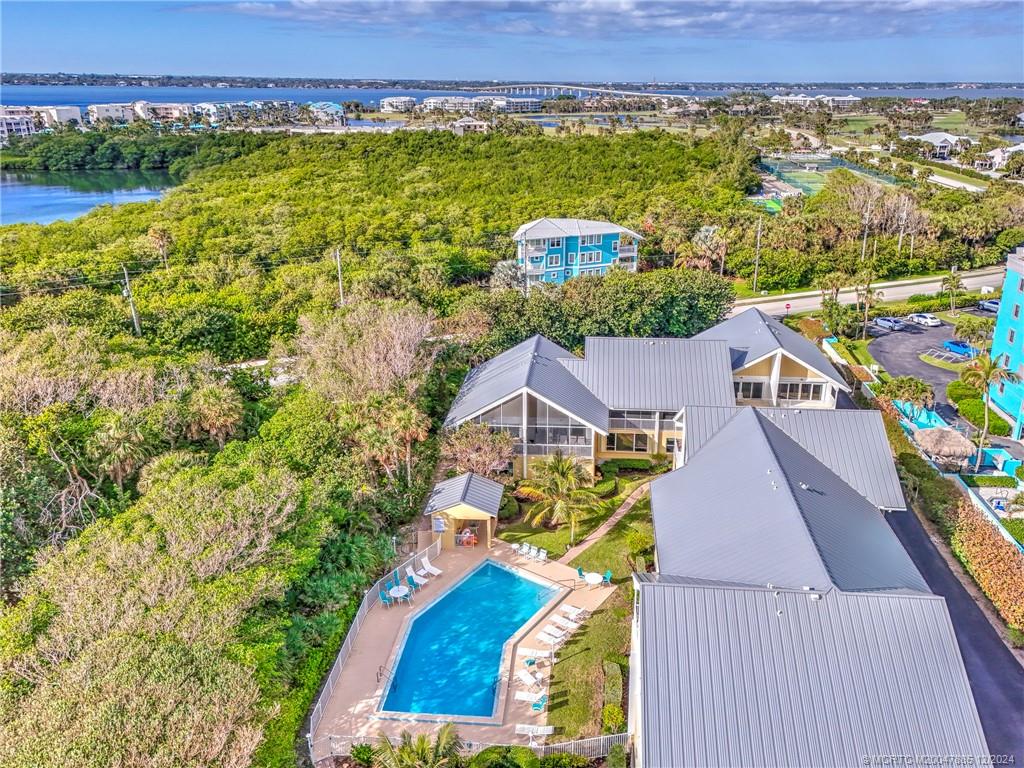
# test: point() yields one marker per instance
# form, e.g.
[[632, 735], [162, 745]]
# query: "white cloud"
[[738, 19]]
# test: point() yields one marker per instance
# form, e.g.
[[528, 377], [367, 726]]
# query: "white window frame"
[[570, 258], [554, 260], [555, 242], [615, 246]]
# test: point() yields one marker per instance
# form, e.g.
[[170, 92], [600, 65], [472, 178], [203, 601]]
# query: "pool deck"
[[352, 710]]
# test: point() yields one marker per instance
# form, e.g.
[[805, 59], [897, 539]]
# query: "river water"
[[45, 196], [82, 95]]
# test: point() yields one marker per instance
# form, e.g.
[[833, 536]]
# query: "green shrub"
[[607, 487], [1015, 527], [617, 757], [1020, 472], [1016, 637], [613, 719], [957, 390], [973, 409], [609, 468], [564, 760], [509, 509], [612, 684], [637, 465], [363, 754], [505, 757], [618, 658], [989, 481]]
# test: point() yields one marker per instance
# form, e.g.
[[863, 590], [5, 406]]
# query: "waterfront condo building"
[[1008, 344], [554, 250], [397, 104], [15, 121], [116, 113]]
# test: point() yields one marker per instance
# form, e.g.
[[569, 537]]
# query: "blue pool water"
[[452, 654], [922, 418]]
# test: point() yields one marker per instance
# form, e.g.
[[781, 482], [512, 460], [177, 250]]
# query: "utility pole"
[[757, 251], [341, 290], [127, 293]]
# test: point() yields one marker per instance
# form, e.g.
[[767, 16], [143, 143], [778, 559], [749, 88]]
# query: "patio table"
[[593, 579], [399, 592]]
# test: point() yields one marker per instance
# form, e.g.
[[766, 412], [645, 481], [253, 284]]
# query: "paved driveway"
[[997, 679], [899, 353]]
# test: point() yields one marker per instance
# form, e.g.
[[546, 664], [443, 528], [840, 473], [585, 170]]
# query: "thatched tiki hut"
[[947, 446]]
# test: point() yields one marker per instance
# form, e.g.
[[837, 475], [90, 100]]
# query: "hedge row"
[[957, 390], [922, 303], [973, 409], [989, 481], [994, 563], [612, 467]]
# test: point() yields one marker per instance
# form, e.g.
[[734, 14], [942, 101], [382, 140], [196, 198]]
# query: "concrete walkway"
[[606, 526]]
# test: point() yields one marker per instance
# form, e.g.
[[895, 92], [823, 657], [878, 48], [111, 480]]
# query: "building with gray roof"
[[801, 524], [745, 676], [852, 443], [784, 625]]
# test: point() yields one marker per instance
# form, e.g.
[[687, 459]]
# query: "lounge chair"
[[431, 569], [421, 571], [547, 639], [573, 612], [580, 573], [565, 623], [528, 696], [554, 631], [411, 581], [542, 556], [386, 601], [607, 577], [539, 704], [534, 730], [420, 581], [527, 678], [530, 551], [521, 651], [515, 547]]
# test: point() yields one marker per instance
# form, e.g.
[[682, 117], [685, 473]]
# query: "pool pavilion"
[[464, 511]]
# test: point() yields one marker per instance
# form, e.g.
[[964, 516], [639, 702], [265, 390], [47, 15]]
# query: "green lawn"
[[951, 122], [1015, 527], [944, 364], [856, 124], [556, 540], [577, 680]]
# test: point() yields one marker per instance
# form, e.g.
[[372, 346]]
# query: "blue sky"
[[689, 40]]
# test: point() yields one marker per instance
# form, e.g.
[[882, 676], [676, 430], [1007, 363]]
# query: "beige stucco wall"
[[791, 369], [762, 368]]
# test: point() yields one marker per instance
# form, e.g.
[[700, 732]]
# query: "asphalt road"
[[996, 677], [894, 291]]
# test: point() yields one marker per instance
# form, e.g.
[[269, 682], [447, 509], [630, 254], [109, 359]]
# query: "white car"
[[925, 319], [989, 305]]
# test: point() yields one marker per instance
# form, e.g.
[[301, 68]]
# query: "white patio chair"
[[528, 696], [417, 579], [547, 639], [561, 621], [533, 731], [554, 631], [527, 678], [542, 556], [521, 651], [573, 612], [429, 568], [533, 552]]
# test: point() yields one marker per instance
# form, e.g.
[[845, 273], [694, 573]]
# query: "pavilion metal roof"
[[472, 489]]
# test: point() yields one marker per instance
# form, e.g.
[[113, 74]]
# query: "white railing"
[[592, 748], [370, 599], [618, 423]]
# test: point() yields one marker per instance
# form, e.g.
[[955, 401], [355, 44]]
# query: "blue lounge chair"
[[539, 704], [412, 583], [581, 574], [607, 577], [386, 601]]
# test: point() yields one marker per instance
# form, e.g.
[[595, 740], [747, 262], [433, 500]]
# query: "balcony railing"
[[535, 449], [628, 251], [616, 423], [534, 268]]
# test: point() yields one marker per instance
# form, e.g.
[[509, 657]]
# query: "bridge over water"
[[580, 91]]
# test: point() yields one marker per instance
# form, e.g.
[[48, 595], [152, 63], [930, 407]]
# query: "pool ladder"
[[385, 673]]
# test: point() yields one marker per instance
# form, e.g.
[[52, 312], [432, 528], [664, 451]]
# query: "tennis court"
[[809, 175]]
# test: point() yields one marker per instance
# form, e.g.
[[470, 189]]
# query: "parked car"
[[961, 348], [925, 319], [989, 305], [890, 323]]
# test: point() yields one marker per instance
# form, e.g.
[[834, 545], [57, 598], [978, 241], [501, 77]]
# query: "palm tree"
[[216, 410], [952, 284], [976, 331], [558, 487], [983, 374], [421, 752], [832, 284], [411, 426], [119, 447], [910, 390], [866, 296]]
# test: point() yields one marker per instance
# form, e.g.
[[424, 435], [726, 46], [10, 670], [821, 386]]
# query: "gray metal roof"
[[534, 364], [476, 491], [655, 374], [545, 228], [851, 443], [747, 676], [754, 507], [752, 334]]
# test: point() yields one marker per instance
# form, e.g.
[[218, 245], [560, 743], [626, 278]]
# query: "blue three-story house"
[[1008, 344], [555, 250]]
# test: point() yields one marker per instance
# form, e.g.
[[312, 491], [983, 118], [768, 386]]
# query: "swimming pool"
[[451, 659], [922, 418]]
